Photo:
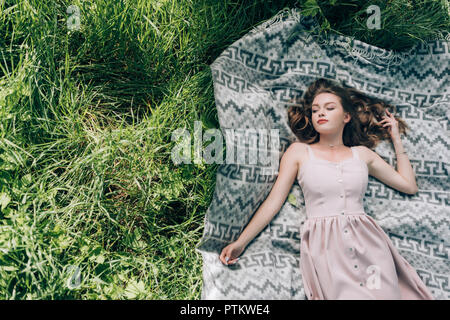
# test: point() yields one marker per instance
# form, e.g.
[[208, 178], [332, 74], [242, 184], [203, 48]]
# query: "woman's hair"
[[362, 129]]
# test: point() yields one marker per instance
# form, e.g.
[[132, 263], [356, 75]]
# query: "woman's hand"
[[392, 123], [231, 253]]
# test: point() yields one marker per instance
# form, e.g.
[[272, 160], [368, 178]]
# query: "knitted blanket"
[[253, 80]]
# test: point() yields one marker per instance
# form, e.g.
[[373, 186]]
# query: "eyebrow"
[[315, 104]]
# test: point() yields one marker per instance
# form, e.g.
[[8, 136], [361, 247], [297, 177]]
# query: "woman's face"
[[327, 106]]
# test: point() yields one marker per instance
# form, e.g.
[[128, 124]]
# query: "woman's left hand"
[[392, 124]]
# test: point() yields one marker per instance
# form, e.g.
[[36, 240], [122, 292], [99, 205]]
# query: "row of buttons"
[[352, 251], [340, 181]]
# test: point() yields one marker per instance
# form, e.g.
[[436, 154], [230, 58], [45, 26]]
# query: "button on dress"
[[344, 253]]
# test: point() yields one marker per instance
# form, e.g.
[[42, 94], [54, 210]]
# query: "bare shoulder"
[[365, 153], [298, 150], [298, 147]]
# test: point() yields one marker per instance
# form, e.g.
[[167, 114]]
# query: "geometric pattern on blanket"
[[253, 80]]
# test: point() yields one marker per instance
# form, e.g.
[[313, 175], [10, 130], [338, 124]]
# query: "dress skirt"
[[350, 257]]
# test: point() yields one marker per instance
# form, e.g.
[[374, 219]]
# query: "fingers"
[[389, 119], [390, 122], [386, 122], [389, 114], [225, 257], [227, 261]]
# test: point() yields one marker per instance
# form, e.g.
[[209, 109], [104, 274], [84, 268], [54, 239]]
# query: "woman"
[[344, 253]]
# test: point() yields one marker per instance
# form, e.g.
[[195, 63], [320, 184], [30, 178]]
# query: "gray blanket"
[[253, 79]]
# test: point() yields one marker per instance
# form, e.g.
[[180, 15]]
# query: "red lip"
[[322, 121]]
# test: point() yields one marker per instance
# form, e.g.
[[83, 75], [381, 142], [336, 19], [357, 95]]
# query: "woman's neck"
[[330, 142]]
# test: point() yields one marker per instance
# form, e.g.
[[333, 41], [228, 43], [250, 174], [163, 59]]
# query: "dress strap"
[[355, 153], [311, 153]]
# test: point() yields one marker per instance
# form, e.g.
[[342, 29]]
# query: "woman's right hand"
[[231, 253]]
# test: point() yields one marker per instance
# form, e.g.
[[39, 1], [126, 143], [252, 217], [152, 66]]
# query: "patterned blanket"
[[253, 79]]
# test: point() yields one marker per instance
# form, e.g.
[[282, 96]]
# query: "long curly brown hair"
[[366, 113]]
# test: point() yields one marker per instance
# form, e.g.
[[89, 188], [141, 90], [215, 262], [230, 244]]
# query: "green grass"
[[86, 177]]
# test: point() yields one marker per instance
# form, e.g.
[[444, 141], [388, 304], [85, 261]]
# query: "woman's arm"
[[403, 179], [287, 174], [404, 167]]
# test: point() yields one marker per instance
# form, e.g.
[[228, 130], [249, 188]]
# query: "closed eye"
[[327, 109]]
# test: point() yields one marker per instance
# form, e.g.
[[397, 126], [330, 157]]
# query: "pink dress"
[[344, 253]]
